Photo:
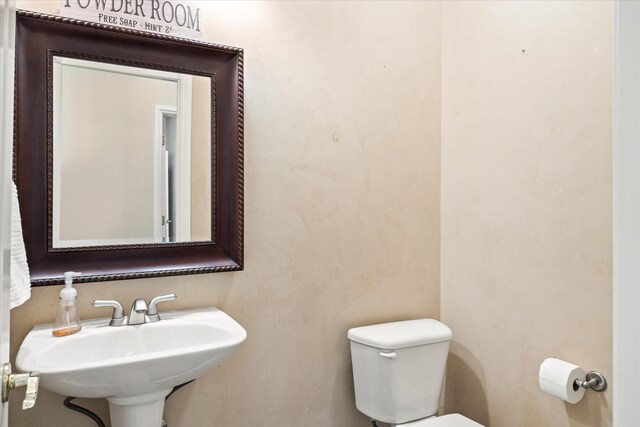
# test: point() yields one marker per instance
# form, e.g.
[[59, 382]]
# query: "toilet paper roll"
[[557, 378]]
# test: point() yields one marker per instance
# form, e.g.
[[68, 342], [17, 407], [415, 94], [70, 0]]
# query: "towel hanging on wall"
[[20, 282]]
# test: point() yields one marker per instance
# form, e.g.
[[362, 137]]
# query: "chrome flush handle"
[[389, 354]]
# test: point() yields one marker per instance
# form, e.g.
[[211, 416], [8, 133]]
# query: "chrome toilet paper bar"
[[594, 381]]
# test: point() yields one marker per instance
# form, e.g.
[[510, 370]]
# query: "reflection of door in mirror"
[[165, 198], [122, 165], [172, 217]]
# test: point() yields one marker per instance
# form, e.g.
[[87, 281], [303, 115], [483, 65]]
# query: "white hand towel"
[[20, 290]]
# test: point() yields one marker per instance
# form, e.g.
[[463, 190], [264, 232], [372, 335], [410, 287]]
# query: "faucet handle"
[[118, 318], [152, 313]]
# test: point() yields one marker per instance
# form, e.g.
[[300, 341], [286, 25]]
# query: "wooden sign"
[[169, 17]]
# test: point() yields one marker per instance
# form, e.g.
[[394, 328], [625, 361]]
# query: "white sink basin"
[[134, 367]]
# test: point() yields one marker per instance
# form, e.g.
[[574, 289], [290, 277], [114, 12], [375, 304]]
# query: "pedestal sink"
[[133, 367]]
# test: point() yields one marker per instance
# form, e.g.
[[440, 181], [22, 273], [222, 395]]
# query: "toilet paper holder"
[[594, 381]]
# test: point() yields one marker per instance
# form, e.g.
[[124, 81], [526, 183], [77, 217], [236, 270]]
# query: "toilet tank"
[[398, 368]]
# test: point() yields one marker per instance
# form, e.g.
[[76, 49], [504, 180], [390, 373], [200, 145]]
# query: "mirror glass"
[[131, 155]]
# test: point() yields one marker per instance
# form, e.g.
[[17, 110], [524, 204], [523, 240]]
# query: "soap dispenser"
[[67, 321]]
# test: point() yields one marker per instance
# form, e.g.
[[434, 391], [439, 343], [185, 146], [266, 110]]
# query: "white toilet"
[[398, 370]]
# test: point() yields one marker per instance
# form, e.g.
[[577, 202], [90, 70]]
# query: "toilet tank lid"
[[406, 333]]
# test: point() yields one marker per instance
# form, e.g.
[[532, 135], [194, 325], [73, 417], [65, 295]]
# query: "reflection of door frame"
[[184, 96], [159, 171], [182, 218]]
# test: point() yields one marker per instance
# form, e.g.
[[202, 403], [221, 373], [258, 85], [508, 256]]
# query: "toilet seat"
[[451, 420]]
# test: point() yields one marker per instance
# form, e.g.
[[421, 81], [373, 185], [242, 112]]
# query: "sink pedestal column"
[[138, 411]]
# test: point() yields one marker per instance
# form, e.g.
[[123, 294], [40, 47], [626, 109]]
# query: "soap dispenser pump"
[[67, 321]]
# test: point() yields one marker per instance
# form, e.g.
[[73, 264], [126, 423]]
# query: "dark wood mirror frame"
[[38, 38]]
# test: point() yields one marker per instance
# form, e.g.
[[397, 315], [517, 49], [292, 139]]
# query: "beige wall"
[[342, 208], [526, 205], [342, 211], [201, 159]]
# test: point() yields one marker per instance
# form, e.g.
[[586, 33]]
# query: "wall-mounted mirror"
[[128, 151]]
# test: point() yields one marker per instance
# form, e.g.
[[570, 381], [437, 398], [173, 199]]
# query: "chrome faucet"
[[140, 312]]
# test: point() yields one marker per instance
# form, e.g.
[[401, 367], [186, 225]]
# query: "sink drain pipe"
[[83, 411], [97, 419]]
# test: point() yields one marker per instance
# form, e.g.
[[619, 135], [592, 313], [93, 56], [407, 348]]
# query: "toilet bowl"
[[398, 370], [451, 420]]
